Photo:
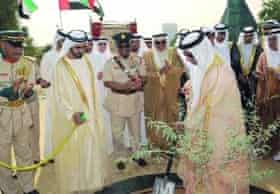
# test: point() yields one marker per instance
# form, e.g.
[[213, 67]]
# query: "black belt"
[[125, 92]]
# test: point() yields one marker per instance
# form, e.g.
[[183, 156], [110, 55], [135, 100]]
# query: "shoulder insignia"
[[30, 59]]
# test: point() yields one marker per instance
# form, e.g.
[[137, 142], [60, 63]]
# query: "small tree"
[[30, 50], [198, 147], [270, 10], [9, 21], [8, 18]]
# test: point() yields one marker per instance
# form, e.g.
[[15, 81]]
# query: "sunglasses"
[[163, 42]]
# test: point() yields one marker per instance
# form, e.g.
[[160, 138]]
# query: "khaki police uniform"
[[33, 104], [124, 108], [15, 128]]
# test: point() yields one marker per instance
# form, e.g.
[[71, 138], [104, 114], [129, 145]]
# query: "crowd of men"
[[106, 99]]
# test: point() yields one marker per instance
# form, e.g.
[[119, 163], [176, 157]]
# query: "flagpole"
[[90, 23], [60, 15], [60, 19]]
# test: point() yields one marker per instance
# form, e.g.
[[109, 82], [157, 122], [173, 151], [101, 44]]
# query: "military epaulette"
[[30, 59]]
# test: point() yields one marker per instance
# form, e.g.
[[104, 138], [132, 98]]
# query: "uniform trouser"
[[118, 126], [35, 129], [15, 131]]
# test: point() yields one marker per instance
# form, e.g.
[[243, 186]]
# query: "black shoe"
[[15, 176], [141, 162], [51, 161], [33, 192], [121, 165]]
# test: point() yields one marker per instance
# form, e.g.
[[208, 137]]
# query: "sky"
[[149, 14]]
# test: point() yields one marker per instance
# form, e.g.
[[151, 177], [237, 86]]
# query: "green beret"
[[15, 36], [123, 37]]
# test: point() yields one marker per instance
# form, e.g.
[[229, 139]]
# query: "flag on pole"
[[76, 4], [26, 8], [99, 10], [94, 5]]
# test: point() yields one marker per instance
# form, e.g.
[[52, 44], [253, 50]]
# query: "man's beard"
[[135, 50], [77, 55], [248, 42]]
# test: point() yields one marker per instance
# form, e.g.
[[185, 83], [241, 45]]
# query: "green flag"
[[85, 3], [29, 6]]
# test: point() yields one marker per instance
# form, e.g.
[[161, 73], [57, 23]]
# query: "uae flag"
[[26, 8], [76, 4]]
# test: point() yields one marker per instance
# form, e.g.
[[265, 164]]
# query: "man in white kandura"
[[81, 166], [47, 65], [100, 54]]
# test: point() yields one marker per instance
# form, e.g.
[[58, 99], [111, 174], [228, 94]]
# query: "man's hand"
[[100, 75], [260, 76], [187, 88], [45, 83], [129, 85], [180, 126], [138, 83], [120, 87], [166, 68], [77, 118], [17, 84], [27, 90]]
